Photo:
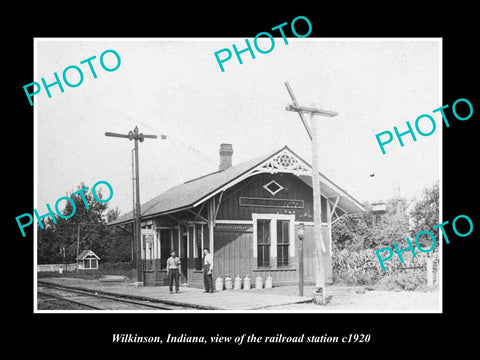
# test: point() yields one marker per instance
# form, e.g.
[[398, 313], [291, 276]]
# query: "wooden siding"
[[279, 277], [233, 254], [294, 189], [196, 279], [154, 278], [233, 246]]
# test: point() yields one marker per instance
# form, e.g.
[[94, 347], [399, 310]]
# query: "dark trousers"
[[207, 279], [173, 275]]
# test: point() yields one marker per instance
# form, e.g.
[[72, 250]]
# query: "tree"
[[48, 243], [118, 240], [113, 214], [88, 221], [425, 215], [394, 224], [369, 230], [352, 231], [86, 230]]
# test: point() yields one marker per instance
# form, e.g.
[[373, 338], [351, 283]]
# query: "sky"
[[175, 87]]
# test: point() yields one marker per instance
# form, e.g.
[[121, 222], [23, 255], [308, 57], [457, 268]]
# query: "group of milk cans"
[[242, 284]]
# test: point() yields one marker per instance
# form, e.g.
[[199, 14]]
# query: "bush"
[[117, 268], [366, 279], [362, 268], [400, 281]]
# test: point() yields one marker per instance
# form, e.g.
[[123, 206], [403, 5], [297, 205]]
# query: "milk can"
[[228, 282], [237, 285], [219, 284], [268, 282], [246, 282], [258, 282]]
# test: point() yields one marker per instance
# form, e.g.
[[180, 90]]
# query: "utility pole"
[[300, 233], [134, 135], [78, 244], [312, 131]]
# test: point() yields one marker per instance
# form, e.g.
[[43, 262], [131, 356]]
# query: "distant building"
[[247, 215], [87, 260], [379, 207]]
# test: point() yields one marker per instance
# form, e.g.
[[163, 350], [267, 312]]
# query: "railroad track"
[[95, 300], [46, 300]]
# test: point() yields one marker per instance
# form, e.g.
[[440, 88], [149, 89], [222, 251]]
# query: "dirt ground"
[[357, 299], [341, 299]]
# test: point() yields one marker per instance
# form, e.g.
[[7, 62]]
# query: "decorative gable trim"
[[286, 162]]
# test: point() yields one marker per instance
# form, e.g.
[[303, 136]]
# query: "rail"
[[136, 301]]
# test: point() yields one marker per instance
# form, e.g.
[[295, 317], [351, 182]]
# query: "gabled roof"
[[86, 253], [194, 192]]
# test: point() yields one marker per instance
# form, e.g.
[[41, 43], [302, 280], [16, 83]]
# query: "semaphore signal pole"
[[134, 135], [312, 131]]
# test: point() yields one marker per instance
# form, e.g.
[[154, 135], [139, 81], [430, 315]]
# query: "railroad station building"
[[247, 215]]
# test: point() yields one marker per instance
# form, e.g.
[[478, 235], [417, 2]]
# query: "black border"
[[423, 332]]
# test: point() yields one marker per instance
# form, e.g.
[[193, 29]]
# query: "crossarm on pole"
[[302, 109], [304, 121], [116, 135]]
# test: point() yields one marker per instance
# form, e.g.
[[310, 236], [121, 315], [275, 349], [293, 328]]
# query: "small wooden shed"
[[87, 260]]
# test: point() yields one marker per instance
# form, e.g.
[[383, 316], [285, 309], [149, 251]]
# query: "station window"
[[273, 234], [283, 242], [263, 243]]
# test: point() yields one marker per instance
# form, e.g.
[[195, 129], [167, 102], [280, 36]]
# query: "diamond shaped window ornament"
[[273, 187]]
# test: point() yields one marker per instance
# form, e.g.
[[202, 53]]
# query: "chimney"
[[226, 152]]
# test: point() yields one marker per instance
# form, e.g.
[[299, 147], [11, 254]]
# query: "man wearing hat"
[[173, 267]]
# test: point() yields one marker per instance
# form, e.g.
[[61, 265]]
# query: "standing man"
[[207, 271], [173, 266]]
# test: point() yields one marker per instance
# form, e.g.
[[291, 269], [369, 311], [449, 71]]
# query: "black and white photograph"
[[201, 163], [246, 181]]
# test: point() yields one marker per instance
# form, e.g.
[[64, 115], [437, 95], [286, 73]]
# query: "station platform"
[[194, 298]]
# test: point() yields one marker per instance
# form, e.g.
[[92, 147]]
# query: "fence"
[[119, 268], [56, 267]]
